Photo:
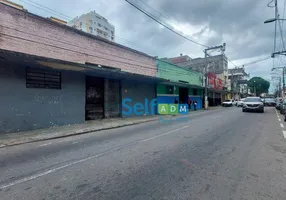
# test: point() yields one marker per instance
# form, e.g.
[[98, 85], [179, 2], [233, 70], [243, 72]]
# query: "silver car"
[[253, 104]]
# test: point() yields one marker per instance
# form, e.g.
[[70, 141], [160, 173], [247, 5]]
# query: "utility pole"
[[222, 48], [283, 78], [280, 86], [276, 17], [283, 82]]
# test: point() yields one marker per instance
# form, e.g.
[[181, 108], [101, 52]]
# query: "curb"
[[84, 131], [73, 134]]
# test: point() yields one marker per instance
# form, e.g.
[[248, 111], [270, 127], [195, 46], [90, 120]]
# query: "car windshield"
[[269, 100], [252, 100]]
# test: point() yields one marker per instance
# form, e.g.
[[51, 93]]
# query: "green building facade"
[[180, 84]]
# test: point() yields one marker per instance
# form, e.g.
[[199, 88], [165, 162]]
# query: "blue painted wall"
[[24, 108]]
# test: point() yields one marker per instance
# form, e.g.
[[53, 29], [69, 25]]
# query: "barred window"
[[39, 78]]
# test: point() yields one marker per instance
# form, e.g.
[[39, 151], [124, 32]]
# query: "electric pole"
[[283, 82], [222, 48], [283, 79]]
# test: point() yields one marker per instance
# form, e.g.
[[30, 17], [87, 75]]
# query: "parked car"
[[278, 104], [269, 102], [253, 104], [234, 102], [283, 106], [227, 103], [239, 103]]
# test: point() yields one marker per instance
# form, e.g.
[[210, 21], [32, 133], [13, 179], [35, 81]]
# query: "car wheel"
[[285, 118], [243, 110], [262, 111]]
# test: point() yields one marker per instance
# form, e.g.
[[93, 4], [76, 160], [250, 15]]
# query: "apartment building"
[[95, 24]]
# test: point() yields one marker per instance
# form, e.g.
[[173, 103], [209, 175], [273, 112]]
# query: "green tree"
[[259, 85]]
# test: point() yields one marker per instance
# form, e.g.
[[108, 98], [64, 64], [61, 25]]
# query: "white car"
[[234, 102], [240, 102], [227, 103]]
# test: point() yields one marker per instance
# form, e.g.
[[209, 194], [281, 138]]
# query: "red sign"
[[214, 82], [219, 84], [211, 80]]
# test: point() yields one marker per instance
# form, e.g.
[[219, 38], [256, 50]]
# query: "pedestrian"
[[195, 105], [189, 103]]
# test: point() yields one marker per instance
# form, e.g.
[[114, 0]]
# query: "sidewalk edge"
[[74, 133]]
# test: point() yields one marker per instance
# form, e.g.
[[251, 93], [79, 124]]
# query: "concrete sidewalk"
[[10, 139]]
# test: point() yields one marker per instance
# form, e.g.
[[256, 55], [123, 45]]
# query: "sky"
[[238, 23]]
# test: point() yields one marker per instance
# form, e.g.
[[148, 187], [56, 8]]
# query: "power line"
[[158, 21], [164, 16], [280, 28], [45, 8], [42, 7], [254, 62], [270, 3], [171, 29], [66, 17], [174, 71], [283, 12], [68, 43]]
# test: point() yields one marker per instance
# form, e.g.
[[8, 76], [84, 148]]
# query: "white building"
[[95, 24]]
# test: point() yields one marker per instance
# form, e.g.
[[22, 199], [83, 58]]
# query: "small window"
[[39, 78], [99, 24], [112, 38]]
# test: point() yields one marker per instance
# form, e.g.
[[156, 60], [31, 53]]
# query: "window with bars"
[[39, 78]]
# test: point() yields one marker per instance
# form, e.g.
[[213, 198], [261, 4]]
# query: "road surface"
[[219, 154]]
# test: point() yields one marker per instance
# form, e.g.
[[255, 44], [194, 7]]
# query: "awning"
[[87, 68], [217, 91], [186, 85]]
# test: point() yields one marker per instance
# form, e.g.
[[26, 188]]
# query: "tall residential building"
[[95, 24]]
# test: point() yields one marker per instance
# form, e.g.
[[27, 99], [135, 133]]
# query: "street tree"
[[258, 85]]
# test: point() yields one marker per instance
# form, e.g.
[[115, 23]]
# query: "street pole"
[[279, 86], [276, 17], [206, 81], [283, 81], [222, 48]]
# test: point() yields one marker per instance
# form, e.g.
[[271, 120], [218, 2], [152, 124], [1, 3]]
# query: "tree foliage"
[[259, 85]]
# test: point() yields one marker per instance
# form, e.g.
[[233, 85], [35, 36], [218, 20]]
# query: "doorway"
[[94, 101], [183, 95]]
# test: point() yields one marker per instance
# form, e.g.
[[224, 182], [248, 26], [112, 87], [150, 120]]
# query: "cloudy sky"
[[238, 23]]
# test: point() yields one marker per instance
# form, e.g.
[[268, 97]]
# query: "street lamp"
[[272, 20]]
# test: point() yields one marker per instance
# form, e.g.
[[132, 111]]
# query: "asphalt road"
[[219, 154]]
